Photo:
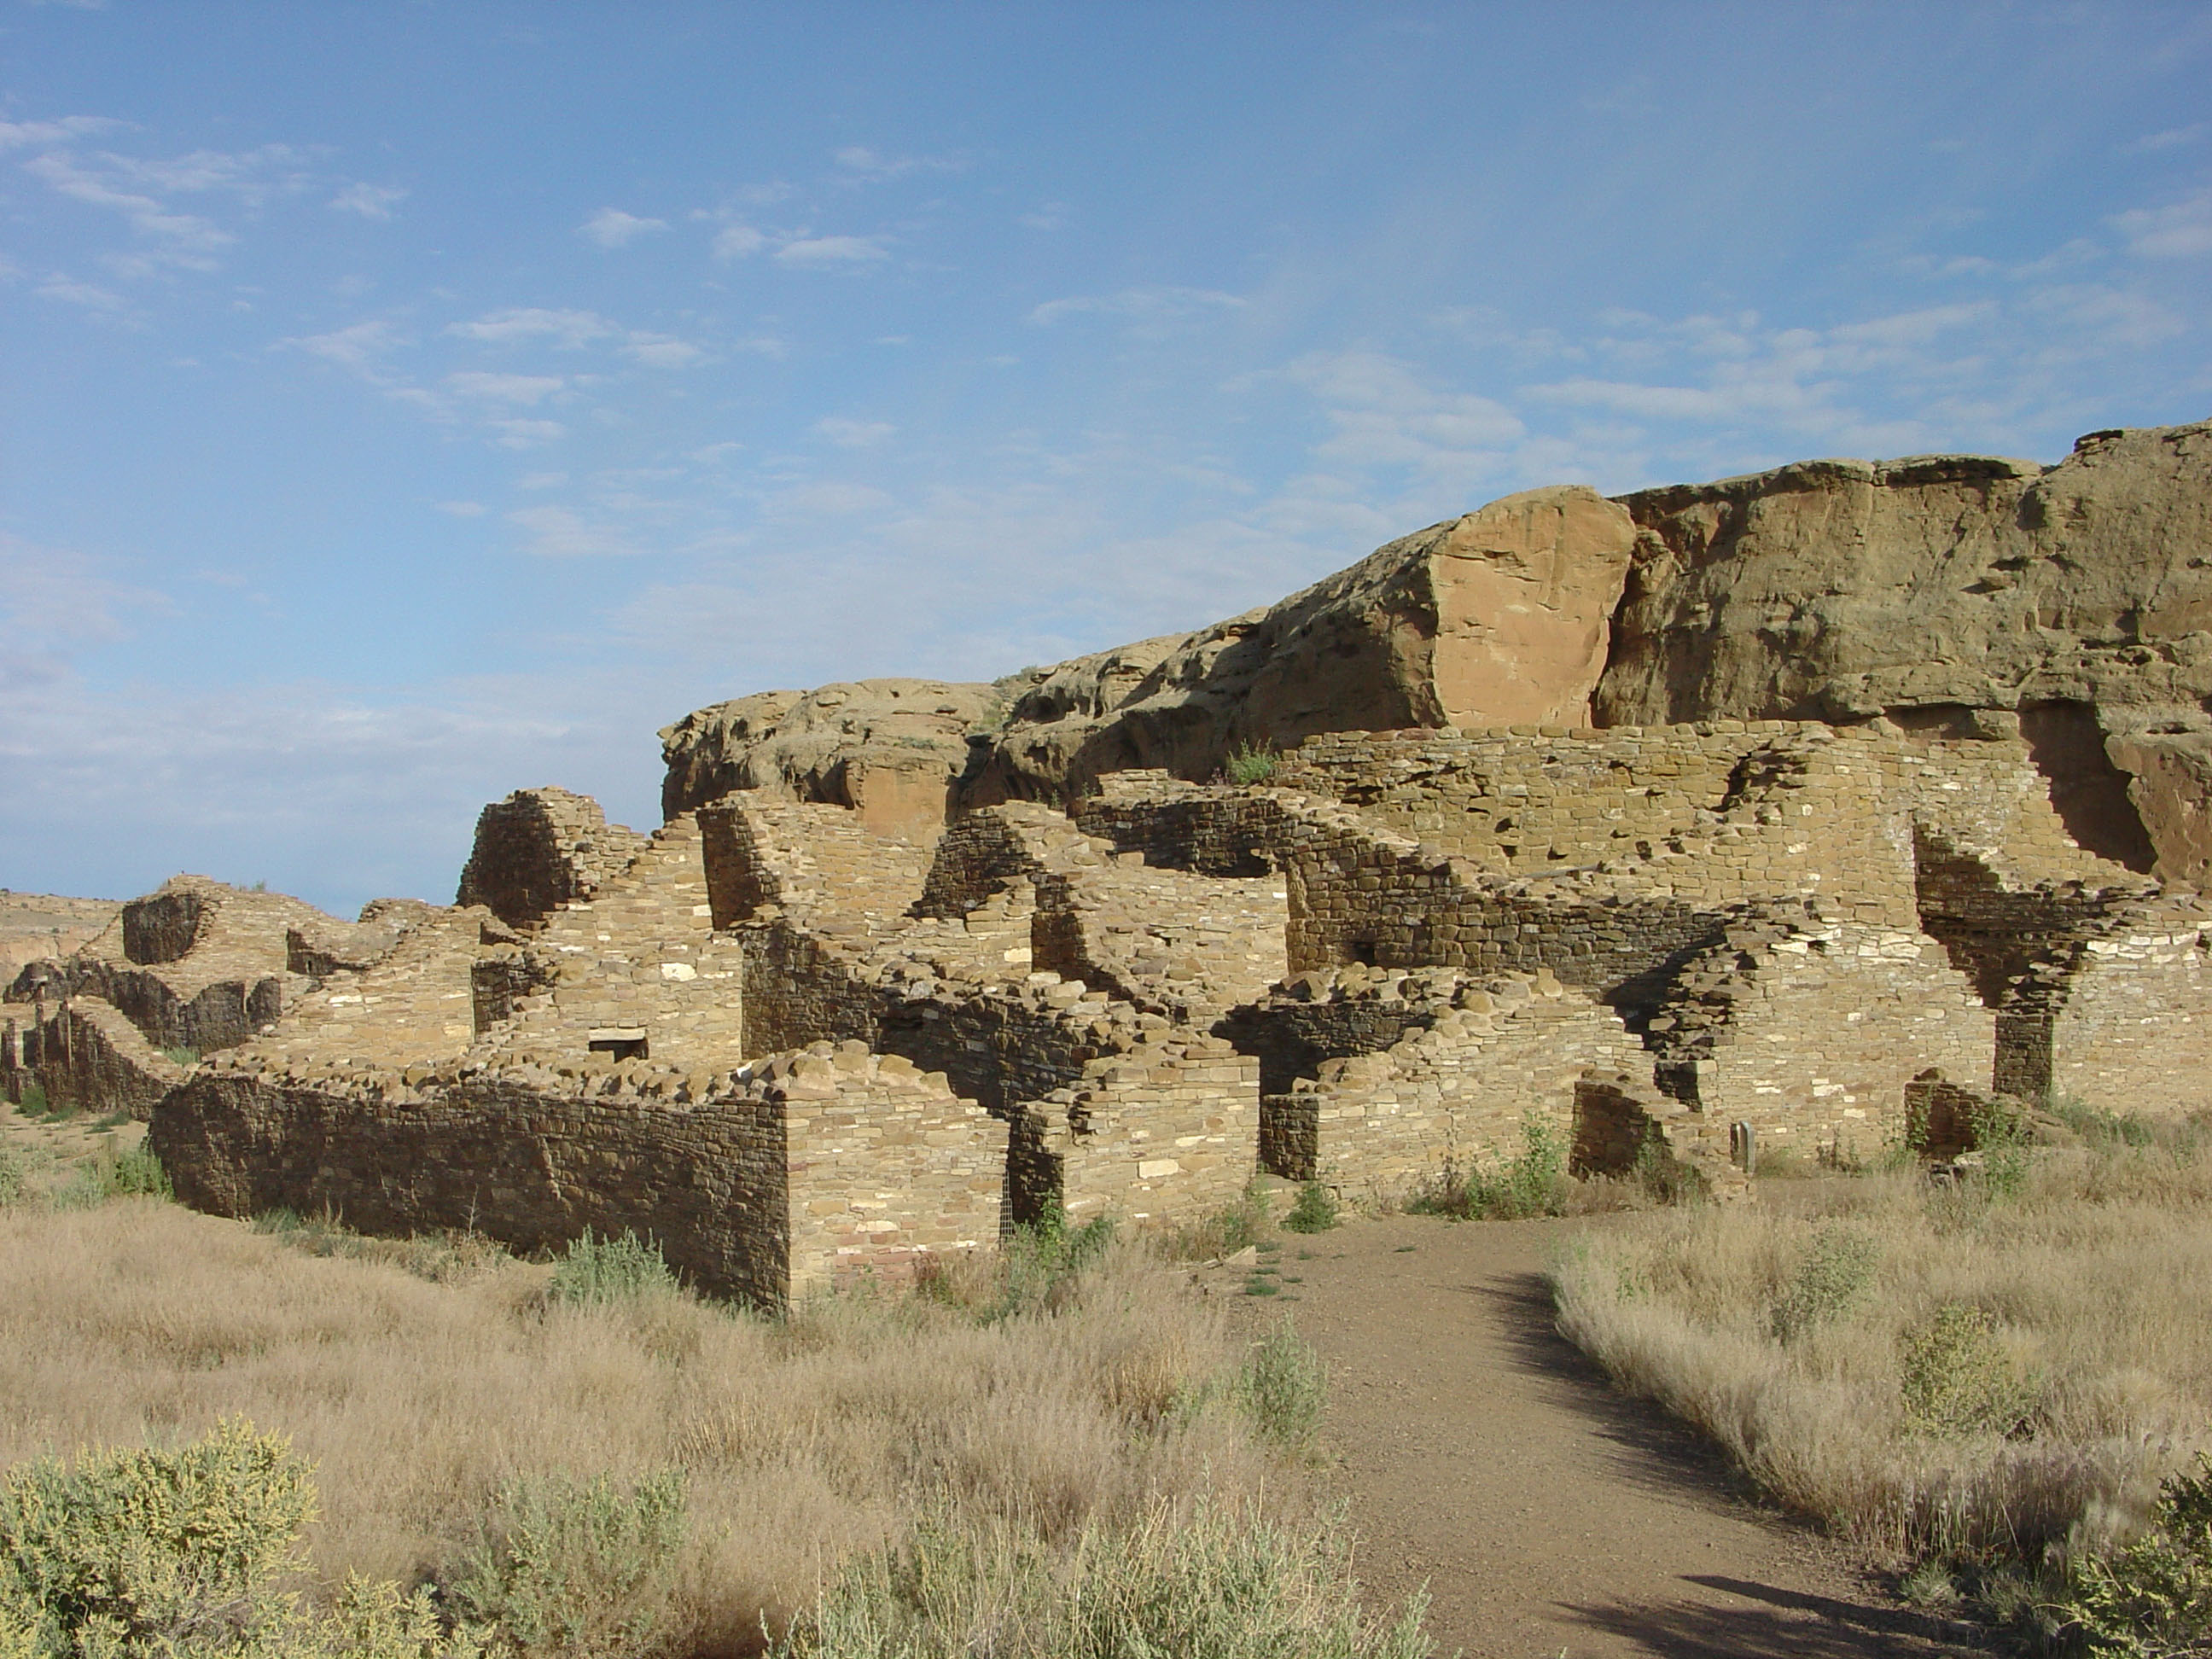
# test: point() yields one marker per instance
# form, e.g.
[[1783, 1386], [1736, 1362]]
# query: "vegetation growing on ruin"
[[1983, 1382], [1532, 1182], [644, 1473]]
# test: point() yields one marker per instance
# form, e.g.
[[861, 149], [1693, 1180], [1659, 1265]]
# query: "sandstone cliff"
[[1500, 616], [1960, 594]]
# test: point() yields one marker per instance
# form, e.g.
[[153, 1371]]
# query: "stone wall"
[[86, 1053], [765, 1184], [2123, 1021], [1458, 1092], [539, 849], [1809, 1031]]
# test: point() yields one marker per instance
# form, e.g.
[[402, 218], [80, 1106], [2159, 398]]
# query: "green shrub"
[[1284, 1386], [2153, 1599], [1315, 1211], [182, 1056], [1833, 1278], [1248, 764], [1531, 1183], [1217, 1582], [1040, 1264], [2004, 1139], [570, 1567], [591, 1271], [1958, 1379], [34, 1103], [137, 1172], [14, 1177], [141, 1554]]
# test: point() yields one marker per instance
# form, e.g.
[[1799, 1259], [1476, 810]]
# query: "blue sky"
[[403, 403]]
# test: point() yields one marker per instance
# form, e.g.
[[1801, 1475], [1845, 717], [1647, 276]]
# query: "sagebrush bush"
[[1284, 1386], [15, 1177], [570, 1567], [1249, 763], [146, 1554], [1956, 1378], [2152, 1599], [1533, 1183], [591, 1271], [1833, 1278]]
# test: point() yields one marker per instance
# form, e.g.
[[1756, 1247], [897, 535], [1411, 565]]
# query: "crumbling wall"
[[539, 849], [85, 1052], [1457, 1092], [761, 1185], [1809, 1030]]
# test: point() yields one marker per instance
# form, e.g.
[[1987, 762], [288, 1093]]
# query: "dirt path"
[[1547, 1515]]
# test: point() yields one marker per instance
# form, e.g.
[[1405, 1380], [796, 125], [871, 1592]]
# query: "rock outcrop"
[[1500, 616], [892, 751], [1960, 595]]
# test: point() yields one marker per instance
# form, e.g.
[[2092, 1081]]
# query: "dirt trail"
[[1486, 1456]]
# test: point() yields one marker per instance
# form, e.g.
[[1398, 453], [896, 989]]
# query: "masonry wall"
[[1811, 1037], [539, 849], [518, 1164], [1167, 1131], [2134, 1032], [86, 1053], [1459, 1092]]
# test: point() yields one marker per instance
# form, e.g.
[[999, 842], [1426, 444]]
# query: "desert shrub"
[[591, 1271], [2098, 1124], [573, 1567], [1315, 1211], [1284, 1386], [136, 1171], [1216, 1581], [143, 1554], [1249, 763], [182, 1056], [34, 1103], [2152, 1599], [1833, 1278], [1039, 1269], [15, 1177], [1225, 1232], [1956, 1378], [1532, 1182]]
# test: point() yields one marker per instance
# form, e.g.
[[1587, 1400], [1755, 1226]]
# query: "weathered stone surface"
[[890, 749], [539, 849], [1953, 594], [1498, 616]]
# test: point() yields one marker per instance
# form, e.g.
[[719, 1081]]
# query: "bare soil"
[[1487, 1459]]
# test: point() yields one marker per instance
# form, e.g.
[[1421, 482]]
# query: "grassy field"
[[1981, 1382], [926, 1465]]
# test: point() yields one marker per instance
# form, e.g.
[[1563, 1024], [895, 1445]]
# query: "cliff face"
[[1501, 615], [1960, 595], [1955, 594]]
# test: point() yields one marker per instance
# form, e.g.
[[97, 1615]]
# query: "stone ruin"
[[911, 964]]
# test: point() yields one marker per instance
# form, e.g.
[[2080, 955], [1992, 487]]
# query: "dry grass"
[[1947, 1374], [800, 1442]]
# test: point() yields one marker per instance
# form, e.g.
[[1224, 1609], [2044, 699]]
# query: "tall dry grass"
[[1956, 1374], [801, 1443]]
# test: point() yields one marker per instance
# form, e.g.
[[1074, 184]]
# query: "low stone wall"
[[84, 1053], [1164, 1131], [773, 1181], [2133, 1030]]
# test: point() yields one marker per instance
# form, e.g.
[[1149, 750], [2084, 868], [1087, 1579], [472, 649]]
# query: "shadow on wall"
[[2088, 793]]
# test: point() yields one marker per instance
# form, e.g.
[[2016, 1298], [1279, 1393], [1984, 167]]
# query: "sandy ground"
[[1484, 1457]]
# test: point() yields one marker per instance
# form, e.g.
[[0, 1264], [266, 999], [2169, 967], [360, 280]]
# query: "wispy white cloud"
[[2180, 230], [462, 509], [612, 228], [567, 329], [56, 603], [853, 434], [861, 163], [560, 532], [22, 135], [527, 389], [661, 350], [1139, 305], [361, 347], [526, 435], [736, 241], [369, 201], [2172, 138], [831, 250], [70, 291]]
